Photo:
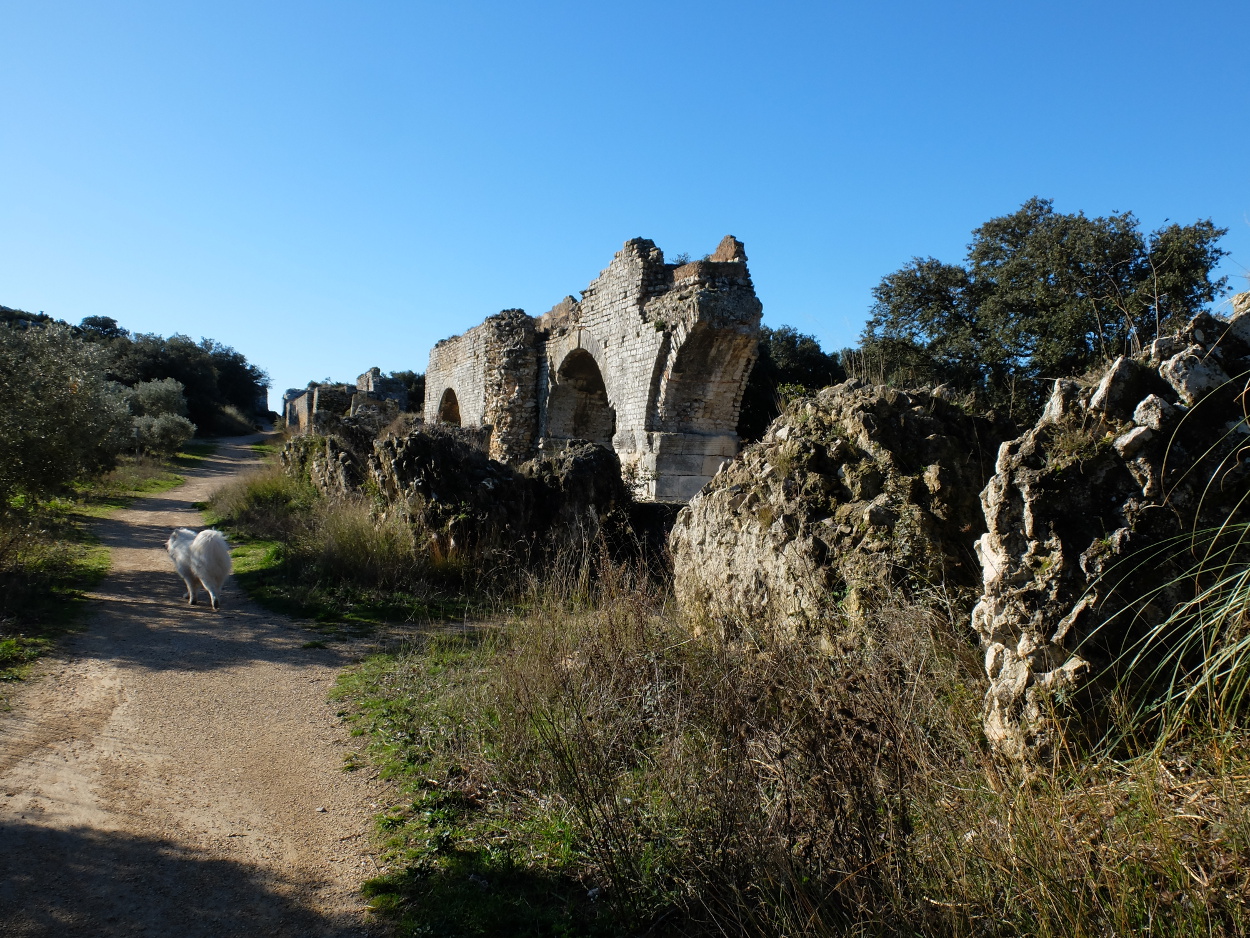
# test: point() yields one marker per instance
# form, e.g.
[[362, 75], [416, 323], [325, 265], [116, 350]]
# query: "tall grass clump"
[[334, 559], [382, 551], [266, 503]]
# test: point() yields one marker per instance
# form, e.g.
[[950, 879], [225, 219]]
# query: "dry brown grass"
[[720, 787]]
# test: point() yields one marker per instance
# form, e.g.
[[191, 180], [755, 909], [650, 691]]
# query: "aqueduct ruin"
[[652, 361]]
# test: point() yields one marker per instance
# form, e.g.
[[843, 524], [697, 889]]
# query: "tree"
[[1041, 295], [239, 382], [59, 415], [415, 383], [788, 362], [101, 327]]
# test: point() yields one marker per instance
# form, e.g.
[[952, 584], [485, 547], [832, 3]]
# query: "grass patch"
[[341, 565], [136, 477], [591, 767], [266, 450], [466, 858], [48, 560], [194, 454]]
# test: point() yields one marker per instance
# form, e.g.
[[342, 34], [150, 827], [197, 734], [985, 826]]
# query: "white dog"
[[201, 559]]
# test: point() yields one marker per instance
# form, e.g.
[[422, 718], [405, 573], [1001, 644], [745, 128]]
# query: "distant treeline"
[[74, 397]]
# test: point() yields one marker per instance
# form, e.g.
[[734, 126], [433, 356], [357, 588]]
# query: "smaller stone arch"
[[449, 408], [578, 407]]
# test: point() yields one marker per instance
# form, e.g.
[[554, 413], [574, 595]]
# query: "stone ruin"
[[302, 408], [373, 389], [305, 408], [651, 362]]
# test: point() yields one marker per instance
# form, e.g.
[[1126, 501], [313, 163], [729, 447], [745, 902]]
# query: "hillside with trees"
[[72, 398]]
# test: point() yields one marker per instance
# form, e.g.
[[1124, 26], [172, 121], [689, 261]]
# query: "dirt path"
[[177, 772]]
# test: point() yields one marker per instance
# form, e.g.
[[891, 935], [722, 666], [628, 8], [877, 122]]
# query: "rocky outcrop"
[[851, 494], [332, 468], [1088, 516], [442, 480], [1087, 532]]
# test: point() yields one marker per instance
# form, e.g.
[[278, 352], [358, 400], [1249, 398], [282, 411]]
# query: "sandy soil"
[[176, 771]]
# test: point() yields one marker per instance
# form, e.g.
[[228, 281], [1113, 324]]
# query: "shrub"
[[153, 398], [163, 435], [59, 416]]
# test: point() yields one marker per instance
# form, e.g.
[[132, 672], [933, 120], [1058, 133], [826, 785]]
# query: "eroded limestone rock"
[[1079, 508], [849, 492]]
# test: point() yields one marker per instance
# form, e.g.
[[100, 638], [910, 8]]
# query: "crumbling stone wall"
[[651, 362], [373, 387], [305, 410], [297, 410]]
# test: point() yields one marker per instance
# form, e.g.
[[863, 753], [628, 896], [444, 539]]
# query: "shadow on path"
[[111, 884], [144, 622]]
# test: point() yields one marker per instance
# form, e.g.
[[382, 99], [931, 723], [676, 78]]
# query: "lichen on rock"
[[850, 495]]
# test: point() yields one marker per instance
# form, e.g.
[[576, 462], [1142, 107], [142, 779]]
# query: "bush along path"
[[176, 771]]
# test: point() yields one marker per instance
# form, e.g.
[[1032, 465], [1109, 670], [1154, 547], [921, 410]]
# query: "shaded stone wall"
[[301, 409], [297, 409], [652, 361], [373, 386]]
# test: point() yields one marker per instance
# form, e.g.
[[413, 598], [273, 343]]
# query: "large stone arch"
[[579, 406], [671, 345], [449, 407], [700, 390]]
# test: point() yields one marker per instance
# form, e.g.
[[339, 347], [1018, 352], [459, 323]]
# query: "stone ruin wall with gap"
[[301, 407], [652, 361]]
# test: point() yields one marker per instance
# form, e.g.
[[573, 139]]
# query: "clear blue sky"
[[330, 186]]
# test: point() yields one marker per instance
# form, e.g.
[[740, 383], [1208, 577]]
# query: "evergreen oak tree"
[[1041, 295]]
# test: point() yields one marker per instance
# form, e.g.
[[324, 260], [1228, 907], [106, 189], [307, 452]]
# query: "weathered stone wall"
[[651, 362], [490, 375], [330, 400], [303, 409], [374, 386], [455, 380], [298, 411]]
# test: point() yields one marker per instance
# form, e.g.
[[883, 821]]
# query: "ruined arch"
[[449, 408], [701, 389], [578, 407]]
